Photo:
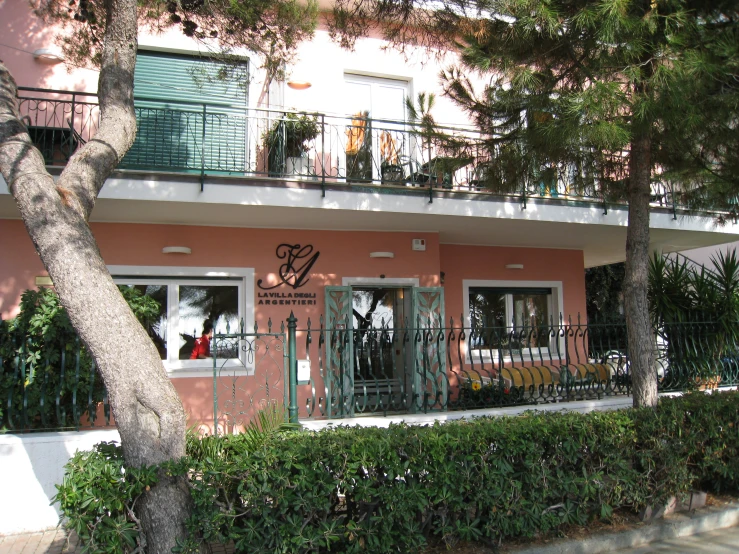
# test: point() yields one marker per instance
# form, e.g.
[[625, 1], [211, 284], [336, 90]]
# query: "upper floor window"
[[191, 114]]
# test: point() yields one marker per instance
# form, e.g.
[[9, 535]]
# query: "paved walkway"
[[51, 542], [722, 541]]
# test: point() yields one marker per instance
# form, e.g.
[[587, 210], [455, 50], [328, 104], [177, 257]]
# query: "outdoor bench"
[[545, 375]]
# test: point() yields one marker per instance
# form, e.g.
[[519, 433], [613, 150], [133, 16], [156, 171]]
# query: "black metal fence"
[[422, 370], [221, 139], [387, 370], [49, 387]]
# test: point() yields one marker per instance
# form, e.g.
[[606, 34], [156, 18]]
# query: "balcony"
[[355, 153]]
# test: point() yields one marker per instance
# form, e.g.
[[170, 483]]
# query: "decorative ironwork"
[[48, 388], [564, 361], [383, 370], [380, 156], [249, 374]]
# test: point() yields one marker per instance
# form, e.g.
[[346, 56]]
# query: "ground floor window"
[[511, 316], [188, 305]]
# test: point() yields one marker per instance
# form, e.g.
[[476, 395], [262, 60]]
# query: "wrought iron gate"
[[250, 372]]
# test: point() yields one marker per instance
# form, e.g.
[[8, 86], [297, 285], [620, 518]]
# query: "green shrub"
[[46, 374], [392, 490], [98, 495], [43, 361]]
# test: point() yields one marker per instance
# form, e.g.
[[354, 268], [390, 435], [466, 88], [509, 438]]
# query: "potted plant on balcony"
[[288, 142]]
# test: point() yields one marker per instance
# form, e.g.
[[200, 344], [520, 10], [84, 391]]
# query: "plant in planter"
[[288, 141], [695, 311], [474, 394]]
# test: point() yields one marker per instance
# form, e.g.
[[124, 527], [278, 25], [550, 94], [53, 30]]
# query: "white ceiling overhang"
[[457, 218]]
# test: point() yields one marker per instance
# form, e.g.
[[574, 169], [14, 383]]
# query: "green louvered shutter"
[[191, 114]]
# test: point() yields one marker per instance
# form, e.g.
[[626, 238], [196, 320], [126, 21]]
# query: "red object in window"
[[201, 349]]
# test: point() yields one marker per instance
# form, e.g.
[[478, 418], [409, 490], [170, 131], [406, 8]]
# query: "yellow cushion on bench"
[[594, 372], [533, 375]]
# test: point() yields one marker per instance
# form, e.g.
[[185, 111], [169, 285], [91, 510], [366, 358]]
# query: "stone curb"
[[677, 525]]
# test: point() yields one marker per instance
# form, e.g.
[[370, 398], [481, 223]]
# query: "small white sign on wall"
[[303, 372]]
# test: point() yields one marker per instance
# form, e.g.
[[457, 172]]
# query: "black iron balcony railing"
[[224, 139]]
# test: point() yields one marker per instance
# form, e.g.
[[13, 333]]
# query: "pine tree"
[[611, 93]]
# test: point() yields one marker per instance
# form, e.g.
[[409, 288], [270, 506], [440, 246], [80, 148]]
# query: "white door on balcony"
[[375, 134]]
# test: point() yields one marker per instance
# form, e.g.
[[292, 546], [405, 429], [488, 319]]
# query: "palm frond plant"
[[695, 311]]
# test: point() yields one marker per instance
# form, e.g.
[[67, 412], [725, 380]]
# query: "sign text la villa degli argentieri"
[[293, 273]]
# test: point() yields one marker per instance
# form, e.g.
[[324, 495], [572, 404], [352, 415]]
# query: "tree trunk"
[[147, 409], [636, 277]]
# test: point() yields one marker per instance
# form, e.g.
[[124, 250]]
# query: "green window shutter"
[[339, 377], [191, 114], [430, 388]]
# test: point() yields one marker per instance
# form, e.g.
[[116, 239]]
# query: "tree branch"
[[88, 169], [19, 159]]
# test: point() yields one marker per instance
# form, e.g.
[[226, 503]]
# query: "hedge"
[[377, 490]]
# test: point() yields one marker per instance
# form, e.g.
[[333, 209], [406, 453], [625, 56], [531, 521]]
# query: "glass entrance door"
[[381, 356], [384, 350]]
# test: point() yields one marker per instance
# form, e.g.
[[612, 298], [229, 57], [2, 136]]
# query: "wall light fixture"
[[176, 250], [47, 55]]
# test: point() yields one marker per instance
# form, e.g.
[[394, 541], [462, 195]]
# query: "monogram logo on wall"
[[298, 262]]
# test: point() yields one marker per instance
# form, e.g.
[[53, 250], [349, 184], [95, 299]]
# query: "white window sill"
[[204, 368]]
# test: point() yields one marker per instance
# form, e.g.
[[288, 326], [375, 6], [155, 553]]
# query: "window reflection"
[[511, 319], [198, 304], [156, 326]]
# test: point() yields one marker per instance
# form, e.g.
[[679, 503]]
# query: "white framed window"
[[188, 297], [512, 317]]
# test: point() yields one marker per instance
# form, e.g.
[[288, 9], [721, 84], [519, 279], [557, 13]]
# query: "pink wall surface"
[[342, 254], [23, 33], [19, 265]]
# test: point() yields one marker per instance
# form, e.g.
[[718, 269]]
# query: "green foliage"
[[603, 292], [393, 490], [46, 375], [419, 115], [98, 496], [571, 85], [42, 361], [271, 29], [475, 394], [144, 307], [682, 292], [269, 423]]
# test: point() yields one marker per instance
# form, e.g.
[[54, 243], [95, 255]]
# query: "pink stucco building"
[[229, 208]]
